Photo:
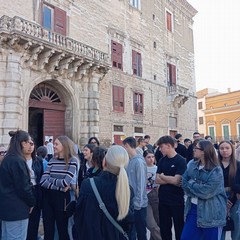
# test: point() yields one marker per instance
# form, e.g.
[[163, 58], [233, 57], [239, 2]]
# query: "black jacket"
[[16, 195], [90, 221]]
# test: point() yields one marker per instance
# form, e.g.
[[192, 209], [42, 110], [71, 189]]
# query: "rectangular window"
[[117, 55], [117, 128], [47, 17], [138, 103], [135, 3], [54, 19], [169, 21], [226, 132], [138, 130], [171, 74], [211, 131], [200, 105], [136, 63], [118, 98], [200, 120]]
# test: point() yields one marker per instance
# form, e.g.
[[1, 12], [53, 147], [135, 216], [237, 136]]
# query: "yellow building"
[[222, 116]]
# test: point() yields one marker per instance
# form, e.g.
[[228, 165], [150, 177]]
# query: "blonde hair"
[[116, 160]]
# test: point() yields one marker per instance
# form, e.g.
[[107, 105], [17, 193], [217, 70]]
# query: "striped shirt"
[[57, 176]]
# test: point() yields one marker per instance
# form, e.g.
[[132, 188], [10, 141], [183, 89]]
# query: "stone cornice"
[[42, 49]]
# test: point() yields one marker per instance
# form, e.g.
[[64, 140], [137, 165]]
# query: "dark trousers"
[[140, 225], [168, 213], [34, 217], [54, 206]]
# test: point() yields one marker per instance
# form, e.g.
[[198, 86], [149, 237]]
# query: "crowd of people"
[[120, 192]]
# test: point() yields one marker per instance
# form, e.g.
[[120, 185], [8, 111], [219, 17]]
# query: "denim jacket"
[[208, 187]]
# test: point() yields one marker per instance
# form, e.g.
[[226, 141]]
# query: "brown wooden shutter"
[[119, 56], [169, 21], [114, 54], [134, 62], [139, 65], [173, 74], [141, 103], [121, 98], [60, 20], [115, 98]]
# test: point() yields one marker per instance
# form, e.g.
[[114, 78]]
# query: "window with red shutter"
[[138, 103], [117, 52], [54, 19], [171, 72], [60, 21], [169, 21], [136, 63], [118, 99]]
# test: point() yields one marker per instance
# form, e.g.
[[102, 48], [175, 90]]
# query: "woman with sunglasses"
[[231, 169], [205, 208], [16, 194], [35, 167], [56, 182]]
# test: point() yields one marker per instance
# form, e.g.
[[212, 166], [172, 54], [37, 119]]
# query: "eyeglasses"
[[2, 153], [195, 148]]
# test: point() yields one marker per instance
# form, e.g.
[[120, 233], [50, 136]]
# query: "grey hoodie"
[[137, 175]]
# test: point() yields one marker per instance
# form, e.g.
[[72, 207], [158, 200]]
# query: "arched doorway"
[[46, 114]]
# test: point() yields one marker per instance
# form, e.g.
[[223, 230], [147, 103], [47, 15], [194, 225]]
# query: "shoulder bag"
[[104, 209]]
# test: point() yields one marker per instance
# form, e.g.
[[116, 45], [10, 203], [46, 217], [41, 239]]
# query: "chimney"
[[229, 90]]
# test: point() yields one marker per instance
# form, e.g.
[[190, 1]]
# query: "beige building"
[[221, 114], [97, 68]]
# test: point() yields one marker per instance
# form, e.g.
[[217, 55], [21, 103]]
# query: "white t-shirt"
[[50, 149], [32, 173], [151, 176]]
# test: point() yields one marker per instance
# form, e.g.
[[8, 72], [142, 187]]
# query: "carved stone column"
[[11, 101]]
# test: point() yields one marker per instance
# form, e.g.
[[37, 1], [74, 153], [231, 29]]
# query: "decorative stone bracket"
[[42, 49], [177, 95]]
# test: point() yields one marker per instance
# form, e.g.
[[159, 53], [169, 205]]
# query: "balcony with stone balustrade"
[[45, 49]]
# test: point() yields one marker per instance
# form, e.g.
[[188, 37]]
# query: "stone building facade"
[[108, 68]]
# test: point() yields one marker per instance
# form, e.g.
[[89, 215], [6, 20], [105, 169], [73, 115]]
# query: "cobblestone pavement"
[[228, 235]]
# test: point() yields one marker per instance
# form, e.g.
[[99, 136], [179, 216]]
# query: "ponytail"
[[122, 194]]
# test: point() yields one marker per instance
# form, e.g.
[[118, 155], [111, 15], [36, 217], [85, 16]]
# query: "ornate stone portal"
[[30, 55]]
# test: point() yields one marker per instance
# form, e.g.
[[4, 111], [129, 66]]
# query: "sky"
[[216, 33]]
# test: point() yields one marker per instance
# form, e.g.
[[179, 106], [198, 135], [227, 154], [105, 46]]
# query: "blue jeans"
[[140, 225], [235, 215], [193, 232], [14, 230]]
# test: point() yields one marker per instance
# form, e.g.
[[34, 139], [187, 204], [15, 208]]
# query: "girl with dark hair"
[[152, 194], [230, 167], [205, 208], [56, 183], [35, 167], [16, 194], [93, 140], [97, 159], [86, 163]]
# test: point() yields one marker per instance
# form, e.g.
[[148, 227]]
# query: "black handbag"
[[229, 224]]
